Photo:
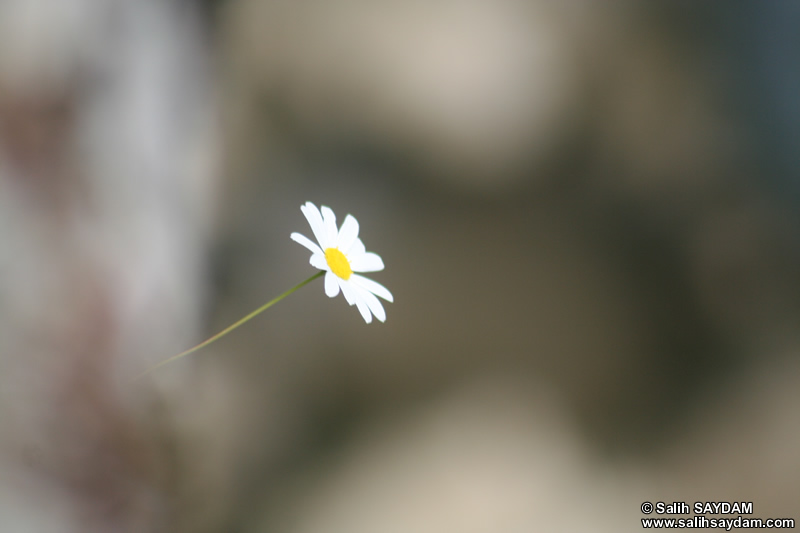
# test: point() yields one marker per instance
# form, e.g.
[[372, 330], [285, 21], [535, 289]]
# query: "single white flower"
[[341, 254]]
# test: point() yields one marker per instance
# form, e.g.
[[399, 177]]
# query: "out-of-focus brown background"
[[589, 217]]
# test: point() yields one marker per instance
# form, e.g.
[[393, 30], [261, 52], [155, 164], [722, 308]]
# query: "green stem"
[[232, 326]]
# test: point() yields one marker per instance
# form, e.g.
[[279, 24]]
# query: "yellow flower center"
[[338, 263]]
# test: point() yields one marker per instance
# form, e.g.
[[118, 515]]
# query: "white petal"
[[315, 221], [305, 241], [331, 285], [373, 303], [372, 286], [318, 261], [329, 219], [356, 249], [348, 233], [368, 262], [348, 290], [363, 308]]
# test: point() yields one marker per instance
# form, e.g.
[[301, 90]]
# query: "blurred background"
[[589, 217]]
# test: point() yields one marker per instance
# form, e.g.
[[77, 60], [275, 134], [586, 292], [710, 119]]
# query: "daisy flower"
[[341, 254]]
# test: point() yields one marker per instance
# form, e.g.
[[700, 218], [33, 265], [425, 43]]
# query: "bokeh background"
[[589, 217]]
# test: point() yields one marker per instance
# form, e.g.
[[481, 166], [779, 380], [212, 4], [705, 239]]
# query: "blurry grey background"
[[589, 217]]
